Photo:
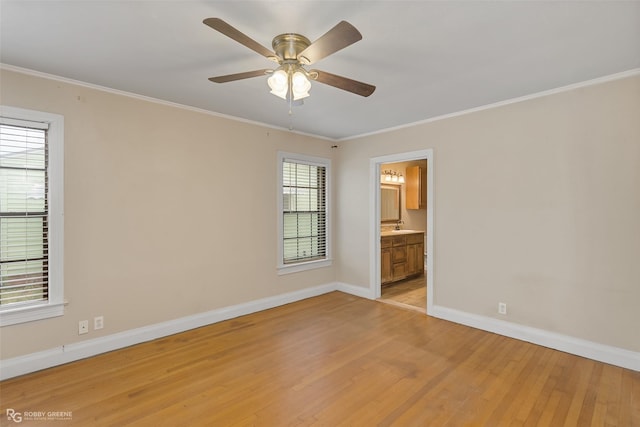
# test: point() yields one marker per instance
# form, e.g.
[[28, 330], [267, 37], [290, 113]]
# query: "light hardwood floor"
[[332, 360], [408, 293]]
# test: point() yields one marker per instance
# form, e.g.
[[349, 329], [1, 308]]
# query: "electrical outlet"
[[83, 327], [98, 323], [502, 308]]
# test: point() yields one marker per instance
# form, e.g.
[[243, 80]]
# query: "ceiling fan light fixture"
[[300, 85], [279, 83]]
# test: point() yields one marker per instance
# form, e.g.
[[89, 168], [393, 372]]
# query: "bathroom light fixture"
[[392, 177]]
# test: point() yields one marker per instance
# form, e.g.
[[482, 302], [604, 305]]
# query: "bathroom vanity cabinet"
[[401, 255]]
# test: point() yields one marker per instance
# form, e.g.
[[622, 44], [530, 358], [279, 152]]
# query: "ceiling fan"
[[293, 52]]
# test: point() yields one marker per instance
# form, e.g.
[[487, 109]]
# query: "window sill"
[[302, 266], [29, 313]]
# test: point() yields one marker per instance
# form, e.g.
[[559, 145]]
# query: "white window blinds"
[[304, 210], [23, 212]]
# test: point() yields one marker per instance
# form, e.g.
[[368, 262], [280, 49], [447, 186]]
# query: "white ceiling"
[[426, 58]]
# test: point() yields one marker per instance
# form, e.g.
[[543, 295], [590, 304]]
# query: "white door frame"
[[374, 226]]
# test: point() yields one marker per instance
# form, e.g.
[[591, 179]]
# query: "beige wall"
[[153, 229], [537, 204]]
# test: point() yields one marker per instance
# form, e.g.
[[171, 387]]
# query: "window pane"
[[22, 190], [23, 281], [287, 171], [304, 247], [302, 199], [22, 147], [22, 238], [287, 200], [313, 200], [315, 230], [313, 176], [290, 249], [290, 225], [304, 225], [302, 175]]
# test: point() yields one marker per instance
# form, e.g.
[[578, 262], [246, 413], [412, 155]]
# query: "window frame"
[[54, 305], [303, 265]]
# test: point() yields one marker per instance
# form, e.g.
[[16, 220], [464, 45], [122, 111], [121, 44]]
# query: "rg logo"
[[14, 416]]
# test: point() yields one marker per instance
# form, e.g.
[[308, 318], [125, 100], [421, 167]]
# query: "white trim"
[[561, 89], [70, 352], [153, 100], [30, 312], [374, 224], [55, 139], [33, 124], [358, 291], [580, 347], [303, 266]]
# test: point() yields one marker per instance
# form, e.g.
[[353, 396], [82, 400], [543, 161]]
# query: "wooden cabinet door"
[[385, 262], [416, 188], [399, 271], [420, 258], [399, 254], [411, 259], [415, 263]]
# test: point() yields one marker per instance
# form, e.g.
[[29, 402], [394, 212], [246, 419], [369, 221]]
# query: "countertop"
[[399, 232]]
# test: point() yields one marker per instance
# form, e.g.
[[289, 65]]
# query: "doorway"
[[414, 290]]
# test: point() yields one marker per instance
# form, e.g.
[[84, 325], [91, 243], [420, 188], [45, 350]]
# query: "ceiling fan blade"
[[354, 86], [226, 29], [339, 37], [239, 76]]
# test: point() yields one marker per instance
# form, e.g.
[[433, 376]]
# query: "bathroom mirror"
[[389, 203]]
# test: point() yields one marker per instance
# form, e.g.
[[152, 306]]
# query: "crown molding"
[[604, 79], [66, 80], [561, 89]]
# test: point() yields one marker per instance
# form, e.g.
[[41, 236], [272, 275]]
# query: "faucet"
[[398, 224]]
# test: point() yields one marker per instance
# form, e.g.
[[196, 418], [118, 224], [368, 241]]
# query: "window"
[[304, 213], [31, 178]]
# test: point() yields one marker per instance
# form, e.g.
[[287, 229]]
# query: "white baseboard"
[[21, 365], [68, 353], [580, 347], [358, 291]]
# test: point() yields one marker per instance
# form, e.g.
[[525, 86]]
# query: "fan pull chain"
[[290, 103], [290, 116], [290, 94]]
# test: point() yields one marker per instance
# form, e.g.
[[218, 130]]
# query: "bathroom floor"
[[408, 293]]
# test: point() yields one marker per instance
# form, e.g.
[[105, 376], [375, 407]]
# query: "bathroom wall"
[[413, 219]]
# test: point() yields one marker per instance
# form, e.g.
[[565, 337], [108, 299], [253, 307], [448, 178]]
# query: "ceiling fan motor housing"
[[288, 46]]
